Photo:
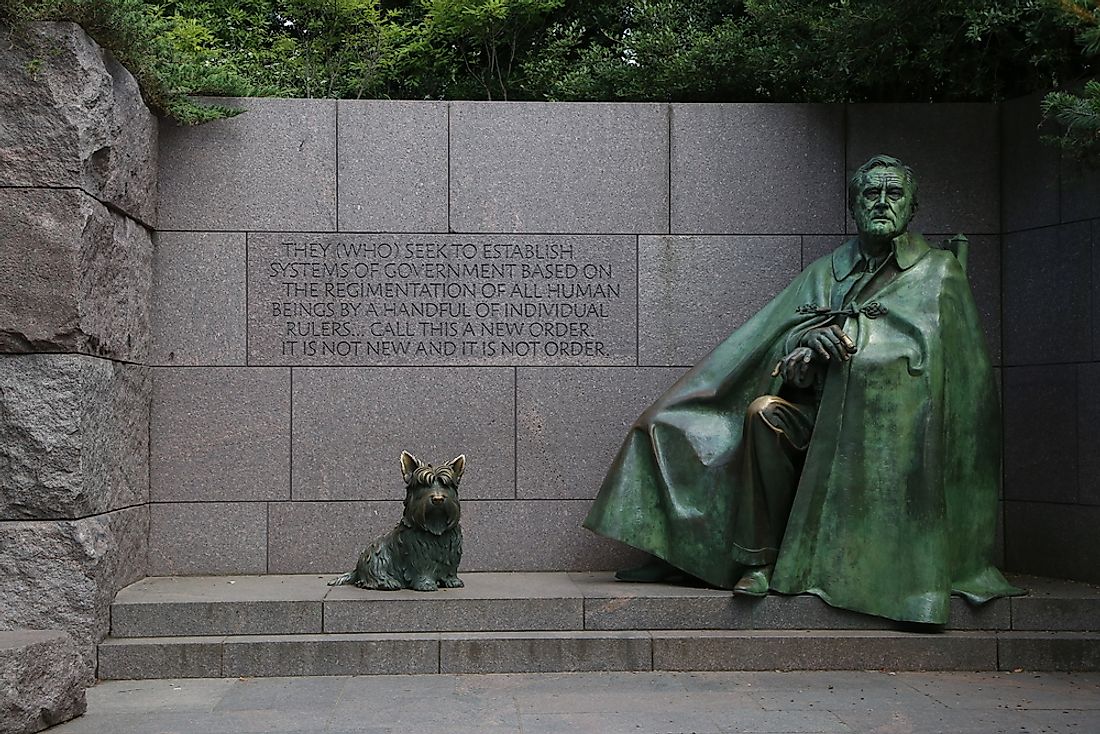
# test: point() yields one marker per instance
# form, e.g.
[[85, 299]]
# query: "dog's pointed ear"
[[457, 465], [409, 465]]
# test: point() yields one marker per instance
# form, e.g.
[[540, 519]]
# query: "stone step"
[[525, 602], [557, 622], [581, 651]]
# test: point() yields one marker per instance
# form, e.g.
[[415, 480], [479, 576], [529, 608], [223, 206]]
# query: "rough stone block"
[[223, 605], [694, 291], [74, 277], [208, 537], [818, 650], [1055, 606], [570, 424], [488, 602], [1065, 651], [161, 657], [74, 436], [286, 655], [1029, 168], [509, 535], [198, 314], [220, 433], [560, 167], [400, 299], [44, 680], [615, 605], [734, 166], [1040, 436], [544, 652], [1046, 298], [1053, 540], [392, 166], [952, 148], [74, 117], [433, 413], [1088, 417], [62, 574], [272, 168]]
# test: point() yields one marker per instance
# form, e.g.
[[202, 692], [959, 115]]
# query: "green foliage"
[[306, 48], [485, 37], [1078, 115], [630, 50], [817, 50]]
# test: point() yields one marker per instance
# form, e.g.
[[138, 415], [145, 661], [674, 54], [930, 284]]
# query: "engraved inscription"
[[457, 299]]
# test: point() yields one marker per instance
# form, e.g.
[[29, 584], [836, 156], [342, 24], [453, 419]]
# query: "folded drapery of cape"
[[895, 508]]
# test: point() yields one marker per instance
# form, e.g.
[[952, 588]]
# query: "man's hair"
[[855, 183]]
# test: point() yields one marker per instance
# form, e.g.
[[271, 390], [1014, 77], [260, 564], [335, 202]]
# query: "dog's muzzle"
[[435, 513]]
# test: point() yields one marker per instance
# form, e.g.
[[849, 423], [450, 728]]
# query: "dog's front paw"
[[424, 585], [453, 582]]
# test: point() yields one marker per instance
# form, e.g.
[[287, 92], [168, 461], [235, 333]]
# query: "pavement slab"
[[817, 702]]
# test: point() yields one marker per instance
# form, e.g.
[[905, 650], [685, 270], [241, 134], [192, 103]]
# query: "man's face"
[[884, 205]]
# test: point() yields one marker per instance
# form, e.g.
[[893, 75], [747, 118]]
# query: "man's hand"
[[829, 343], [818, 346], [795, 368]]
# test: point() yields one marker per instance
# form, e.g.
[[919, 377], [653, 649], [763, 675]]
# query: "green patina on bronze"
[[874, 480]]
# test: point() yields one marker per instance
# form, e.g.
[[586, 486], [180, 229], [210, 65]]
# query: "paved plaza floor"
[[603, 703]]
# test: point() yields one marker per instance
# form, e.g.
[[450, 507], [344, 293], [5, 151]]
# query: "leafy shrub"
[[1079, 114], [630, 50]]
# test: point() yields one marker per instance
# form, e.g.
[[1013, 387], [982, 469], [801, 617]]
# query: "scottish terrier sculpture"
[[424, 550]]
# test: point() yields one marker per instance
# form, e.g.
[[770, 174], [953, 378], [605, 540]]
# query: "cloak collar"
[[909, 247]]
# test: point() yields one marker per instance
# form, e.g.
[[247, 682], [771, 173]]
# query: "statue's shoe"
[[652, 571], [754, 582]]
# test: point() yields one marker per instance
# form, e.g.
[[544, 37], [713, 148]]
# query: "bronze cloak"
[[896, 504]]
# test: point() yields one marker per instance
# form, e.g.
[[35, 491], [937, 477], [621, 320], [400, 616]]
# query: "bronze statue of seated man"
[[844, 442]]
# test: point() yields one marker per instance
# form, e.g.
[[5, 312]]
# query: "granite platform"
[[255, 626]]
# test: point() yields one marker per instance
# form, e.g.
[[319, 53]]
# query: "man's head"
[[882, 196]]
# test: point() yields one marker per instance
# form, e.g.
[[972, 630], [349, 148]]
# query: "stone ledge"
[[824, 650], [161, 657], [1064, 651], [43, 680], [287, 655], [545, 652], [574, 651], [517, 602], [1057, 605], [489, 602], [184, 619]]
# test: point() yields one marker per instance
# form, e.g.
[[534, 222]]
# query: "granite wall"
[[337, 281], [78, 152], [1051, 220]]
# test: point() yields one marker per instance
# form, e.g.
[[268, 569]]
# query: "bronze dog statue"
[[424, 550]]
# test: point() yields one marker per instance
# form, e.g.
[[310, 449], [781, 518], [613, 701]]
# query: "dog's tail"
[[347, 578]]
